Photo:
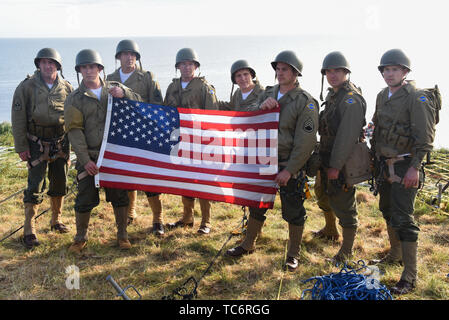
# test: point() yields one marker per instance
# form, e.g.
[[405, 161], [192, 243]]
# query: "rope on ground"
[[183, 292], [347, 284]]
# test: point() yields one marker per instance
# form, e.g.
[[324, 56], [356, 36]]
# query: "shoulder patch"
[[422, 98], [308, 125], [17, 106], [311, 106]]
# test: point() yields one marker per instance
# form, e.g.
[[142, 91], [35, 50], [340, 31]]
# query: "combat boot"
[[156, 207], [121, 218], [82, 225], [394, 256], [187, 216], [205, 216], [408, 277], [294, 246], [56, 210], [345, 252], [253, 230], [330, 230], [29, 232], [132, 196]]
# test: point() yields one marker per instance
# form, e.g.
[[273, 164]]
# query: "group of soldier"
[[48, 117]]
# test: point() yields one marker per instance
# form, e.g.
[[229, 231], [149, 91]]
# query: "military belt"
[[45, 132]]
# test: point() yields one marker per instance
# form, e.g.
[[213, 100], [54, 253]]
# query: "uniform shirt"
[[404, 123], [34, 102], [197, 95], [341, 124], [298, 125], [85, 118], [237, 102], [141, 82]]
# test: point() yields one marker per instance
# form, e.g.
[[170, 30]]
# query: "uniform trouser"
[[341, 201], [57, 177], [397, 205], [292, 206], [88, 197]]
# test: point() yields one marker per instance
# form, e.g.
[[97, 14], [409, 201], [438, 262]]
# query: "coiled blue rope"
[[347, 284]]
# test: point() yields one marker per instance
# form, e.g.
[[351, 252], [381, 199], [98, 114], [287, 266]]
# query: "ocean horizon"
[[216, 55]]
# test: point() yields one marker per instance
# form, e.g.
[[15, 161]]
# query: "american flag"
[[217, 155]]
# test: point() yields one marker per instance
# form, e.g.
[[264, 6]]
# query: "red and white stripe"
[[217, 159]]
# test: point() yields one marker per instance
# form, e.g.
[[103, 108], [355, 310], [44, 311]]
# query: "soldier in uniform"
[[38, 129], [246, 96], [404, 130], [298, 124], [144, 83], [340, 129], [190, 91], [85, 114]]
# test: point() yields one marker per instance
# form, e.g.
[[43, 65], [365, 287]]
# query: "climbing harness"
[[348, 284]]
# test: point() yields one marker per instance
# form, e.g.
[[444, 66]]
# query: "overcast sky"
[[100, 18]]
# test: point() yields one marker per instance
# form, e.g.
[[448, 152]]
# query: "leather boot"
[[408, 277], [30, 212], [294, 246], [205, 216], [345, 252], [189, 204], [253, 230], [121, 221], [82, 225], [330, 230], [56, 210], [156, 207], [132, 196], [395, 254]]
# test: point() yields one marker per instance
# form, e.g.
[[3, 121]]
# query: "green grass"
[[157, 266]]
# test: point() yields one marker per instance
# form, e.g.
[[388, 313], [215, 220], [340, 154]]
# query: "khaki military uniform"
[[238, 104], [403, 135], [341, 126], [298, 124], [404, 124], [198, 94], [85, 122], [143, 83], [38, 126]]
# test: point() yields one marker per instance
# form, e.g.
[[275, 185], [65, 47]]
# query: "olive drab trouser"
[[397, 205], [189, 204], [57, 176]]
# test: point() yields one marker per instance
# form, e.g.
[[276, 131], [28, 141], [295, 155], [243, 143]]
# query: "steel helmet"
[[239, 65], [88, 56], [290, 58], [48, 53], [187, 54], [127, 46], [394, 57], [335, 60]]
